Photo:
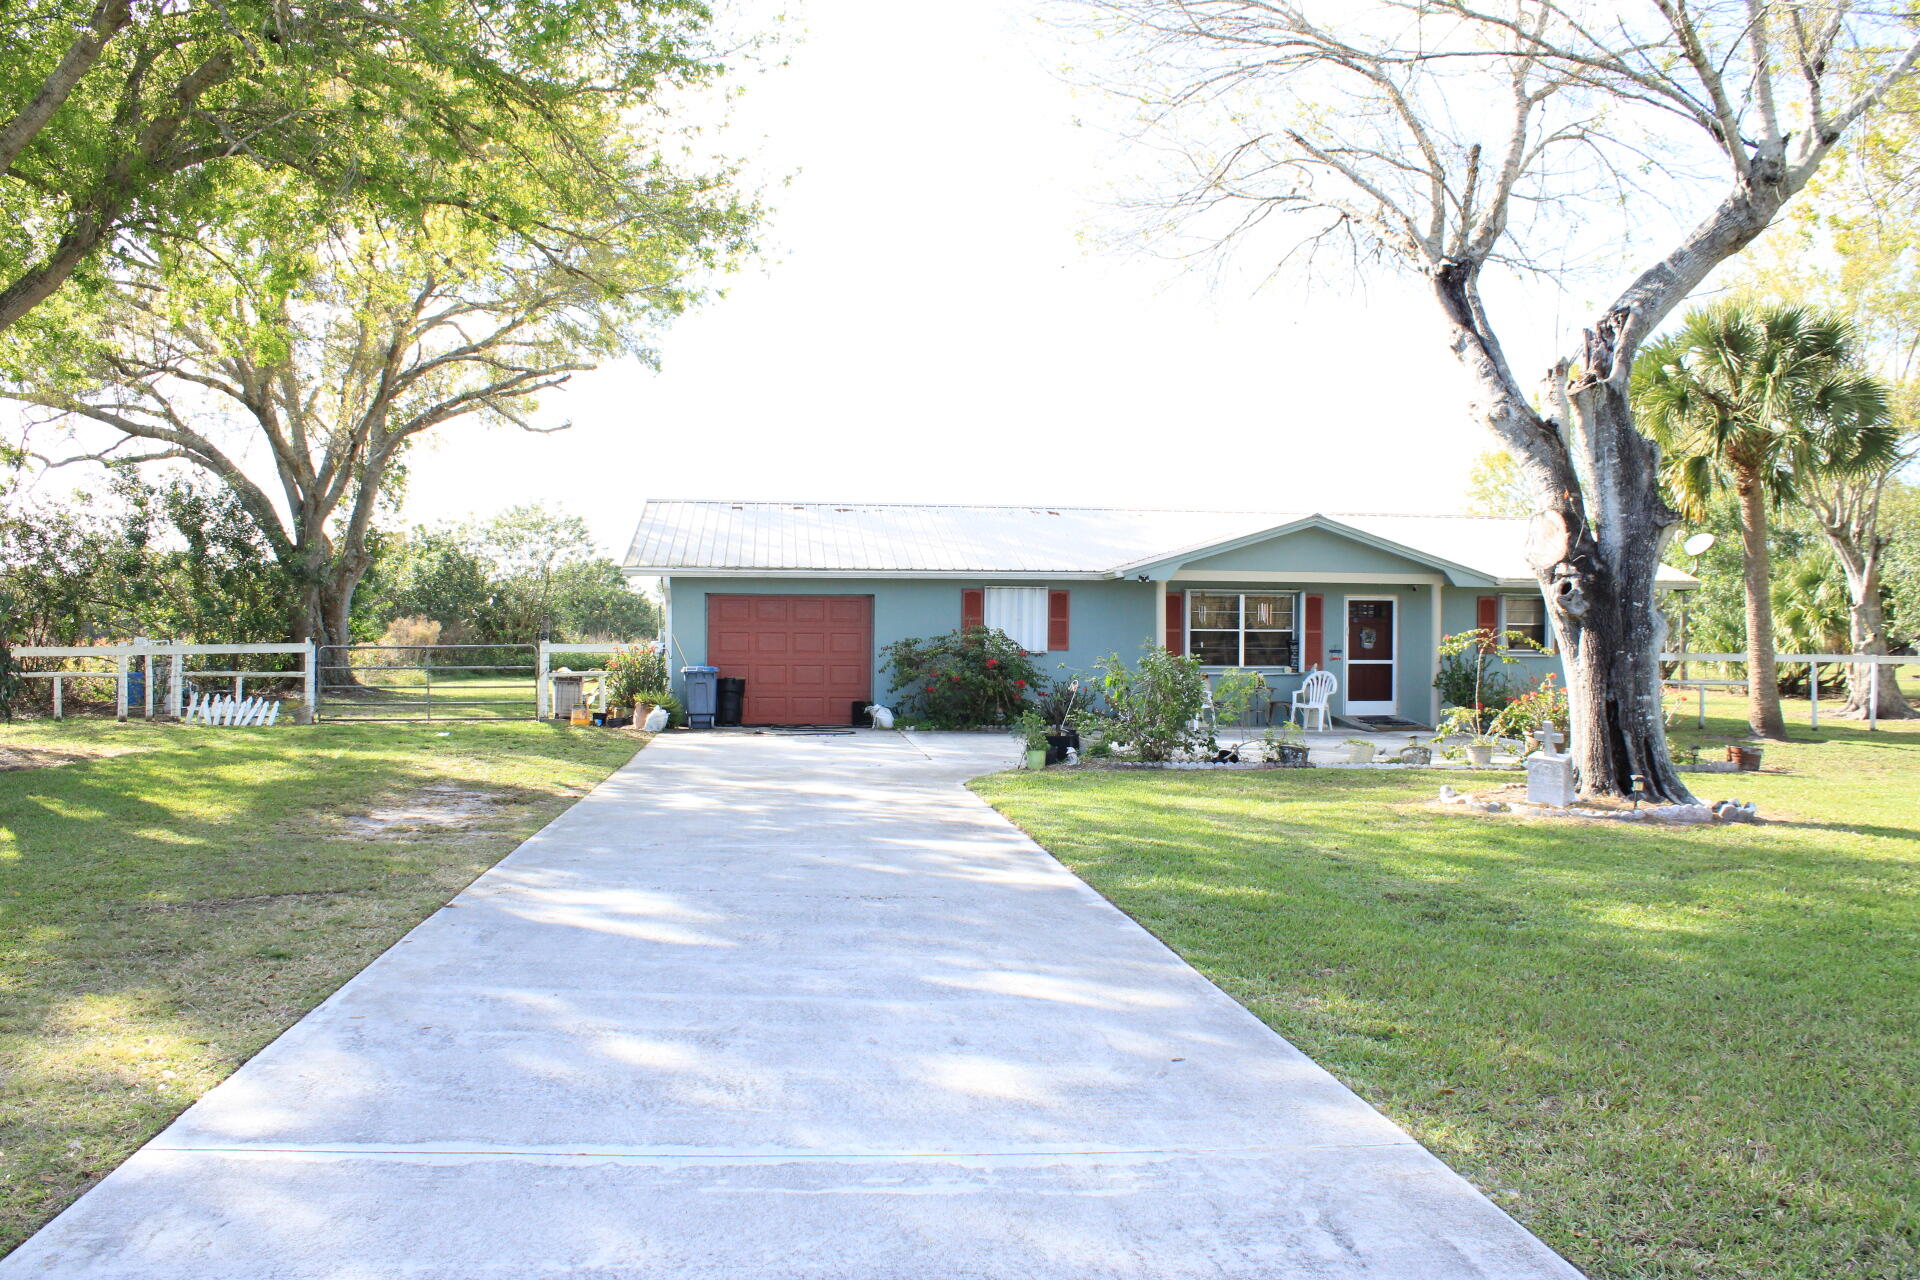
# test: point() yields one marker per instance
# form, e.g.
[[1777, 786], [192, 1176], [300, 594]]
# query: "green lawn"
[[167, 911], [1669, 1052]]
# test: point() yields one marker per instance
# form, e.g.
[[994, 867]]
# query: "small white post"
[[58, 714], [1701, 689], [1873, 698], [120, 688], [1813, 682], [312, 677], [541, 696], [176, 684], [147, 690]]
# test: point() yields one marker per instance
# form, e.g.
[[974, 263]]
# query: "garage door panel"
[[806, 659]]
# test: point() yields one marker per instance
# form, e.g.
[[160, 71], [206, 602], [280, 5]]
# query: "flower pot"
[[1291, 755], [1057, 744], [1360, 753], [1747, 758], [1037, 759], [1479, 754]]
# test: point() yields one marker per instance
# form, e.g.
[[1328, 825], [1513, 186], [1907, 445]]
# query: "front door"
[[1370, 658]]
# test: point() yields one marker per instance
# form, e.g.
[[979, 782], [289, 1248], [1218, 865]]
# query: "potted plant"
[[1064, 705], [1359, 751], [1033, 730], [1285, 746], [1468, 731], [1415, 753]]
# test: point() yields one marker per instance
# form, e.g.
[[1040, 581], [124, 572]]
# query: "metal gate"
[[427, 682]]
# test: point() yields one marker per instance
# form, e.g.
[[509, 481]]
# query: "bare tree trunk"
[[1849, 522], [1867, 633], [1598, 568], [1763, 677]]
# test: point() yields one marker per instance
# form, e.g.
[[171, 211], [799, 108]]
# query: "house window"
[[1526, 615], [1021, 612], [1241, 629]]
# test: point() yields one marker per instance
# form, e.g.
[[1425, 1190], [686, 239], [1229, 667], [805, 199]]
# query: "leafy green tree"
[[1854, 249], [137, 120], [176, 560], [506, 580], [1495, 486], [327, 357], [1756, 400]]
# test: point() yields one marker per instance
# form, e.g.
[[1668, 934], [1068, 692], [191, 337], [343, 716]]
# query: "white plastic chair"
[[1311, 697]]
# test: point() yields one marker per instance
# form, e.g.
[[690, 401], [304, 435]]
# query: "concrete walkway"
[[796, 1008]]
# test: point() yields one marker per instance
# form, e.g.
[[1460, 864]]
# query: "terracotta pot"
[[1748, 758]]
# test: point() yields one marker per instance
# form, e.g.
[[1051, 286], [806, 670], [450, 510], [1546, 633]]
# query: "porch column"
[[1160, 612], [1439, 590]]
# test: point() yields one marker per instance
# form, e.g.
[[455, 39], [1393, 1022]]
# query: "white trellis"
[[151, 658], [219, 709]]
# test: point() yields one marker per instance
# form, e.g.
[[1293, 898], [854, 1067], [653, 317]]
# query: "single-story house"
[[798, 599]]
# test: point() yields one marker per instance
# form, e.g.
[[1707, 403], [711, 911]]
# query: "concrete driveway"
[[771, 1007]]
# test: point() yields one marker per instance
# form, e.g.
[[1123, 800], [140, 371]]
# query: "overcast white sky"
[[934, 322]]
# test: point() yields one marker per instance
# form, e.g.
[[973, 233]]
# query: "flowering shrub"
[[633, 671], [961, 679], [1545, 703]]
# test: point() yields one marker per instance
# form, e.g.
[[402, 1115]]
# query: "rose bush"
[[977, 676]]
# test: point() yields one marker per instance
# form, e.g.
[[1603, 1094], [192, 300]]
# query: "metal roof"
[[882, 539]]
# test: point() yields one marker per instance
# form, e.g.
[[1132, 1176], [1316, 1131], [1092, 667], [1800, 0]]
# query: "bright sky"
[[935, 323]]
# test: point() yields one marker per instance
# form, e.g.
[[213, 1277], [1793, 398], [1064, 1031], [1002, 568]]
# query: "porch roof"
[[848, 539]]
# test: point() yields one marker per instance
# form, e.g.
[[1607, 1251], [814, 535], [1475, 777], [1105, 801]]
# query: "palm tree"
[[1763, 400]]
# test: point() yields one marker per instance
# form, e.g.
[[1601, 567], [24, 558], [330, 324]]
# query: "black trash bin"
[[733, 696]]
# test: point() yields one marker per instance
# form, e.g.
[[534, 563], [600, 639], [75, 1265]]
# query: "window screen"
[[1527, 615]]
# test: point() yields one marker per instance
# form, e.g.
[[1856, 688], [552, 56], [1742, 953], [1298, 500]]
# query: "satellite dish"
[[1698, 543]]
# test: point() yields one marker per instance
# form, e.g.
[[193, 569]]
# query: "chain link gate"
[[421, 682]]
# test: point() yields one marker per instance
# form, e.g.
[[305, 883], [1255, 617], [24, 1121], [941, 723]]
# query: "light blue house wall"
[[1107, 616], [1120, 616], [1437, 570]]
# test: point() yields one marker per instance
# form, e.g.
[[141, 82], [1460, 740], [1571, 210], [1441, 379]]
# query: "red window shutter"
[[1314, 651], [1177, 621], [973, 608], [1058, 613], [1487, 617]]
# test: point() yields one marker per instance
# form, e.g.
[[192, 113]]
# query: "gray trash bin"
[[702, 684]]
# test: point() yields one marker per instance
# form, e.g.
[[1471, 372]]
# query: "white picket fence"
[[142, 655], [220, 709]]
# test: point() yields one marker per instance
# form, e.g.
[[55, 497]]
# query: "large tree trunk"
[[1595, 552], [1598, 564], [1866, 628], [1763, 677]]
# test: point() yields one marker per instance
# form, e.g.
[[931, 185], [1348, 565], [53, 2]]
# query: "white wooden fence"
[[142, 655], [543, 674], [1875, 662]]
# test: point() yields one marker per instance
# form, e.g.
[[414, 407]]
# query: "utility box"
[[702, 694], [567, 692]]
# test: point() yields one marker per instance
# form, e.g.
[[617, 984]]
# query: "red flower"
[[1020, 684], [993, 662], [929, 688], [955, 679]]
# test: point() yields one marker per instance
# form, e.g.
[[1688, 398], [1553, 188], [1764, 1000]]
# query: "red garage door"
[[804, 658]]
